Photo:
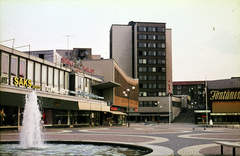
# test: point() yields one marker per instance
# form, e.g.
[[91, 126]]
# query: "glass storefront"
[[47, 115], [8, 116], [60, 117], [81, 118]]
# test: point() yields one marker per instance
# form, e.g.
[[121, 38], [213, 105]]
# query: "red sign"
[[71, 63], [135, 109], [66, 61], [88, 69], [114, 108]]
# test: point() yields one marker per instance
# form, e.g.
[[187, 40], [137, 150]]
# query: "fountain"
[[30, 135], [31, 142]]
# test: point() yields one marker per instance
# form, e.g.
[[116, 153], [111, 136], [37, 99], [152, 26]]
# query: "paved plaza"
[[164, 139]]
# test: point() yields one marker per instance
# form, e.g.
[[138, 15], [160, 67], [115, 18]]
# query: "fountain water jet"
[[31, 135]]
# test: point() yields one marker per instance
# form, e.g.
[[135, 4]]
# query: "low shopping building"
[[65, 91], [224, 101]]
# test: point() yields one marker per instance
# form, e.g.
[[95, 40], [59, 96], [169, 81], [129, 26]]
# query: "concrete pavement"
[[164, 139]]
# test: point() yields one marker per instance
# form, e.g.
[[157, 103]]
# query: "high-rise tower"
[[144, 51]]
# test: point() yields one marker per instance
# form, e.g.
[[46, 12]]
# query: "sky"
[[205, 33]]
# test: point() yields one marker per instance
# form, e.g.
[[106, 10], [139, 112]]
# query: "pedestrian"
[[158, 121], [128, 123]]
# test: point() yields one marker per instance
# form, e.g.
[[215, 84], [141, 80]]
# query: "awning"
[[149, 115], [106, 85], [117, 113]]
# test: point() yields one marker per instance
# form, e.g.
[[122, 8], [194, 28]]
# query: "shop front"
[[225, 106]]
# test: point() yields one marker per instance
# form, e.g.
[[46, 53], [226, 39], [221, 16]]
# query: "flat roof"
[[106, 85]]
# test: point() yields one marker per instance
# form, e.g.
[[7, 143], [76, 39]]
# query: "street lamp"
[[159, 107], [126, 95]]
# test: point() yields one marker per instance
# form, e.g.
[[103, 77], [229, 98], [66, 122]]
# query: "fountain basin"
[[74, 148]]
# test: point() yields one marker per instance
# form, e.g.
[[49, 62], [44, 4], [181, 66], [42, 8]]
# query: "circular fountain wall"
[[73, 149]]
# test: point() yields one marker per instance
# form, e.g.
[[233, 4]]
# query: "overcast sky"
[[205, 33]]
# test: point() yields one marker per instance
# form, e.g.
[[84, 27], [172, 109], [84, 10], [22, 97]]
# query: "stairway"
[[187, 117]]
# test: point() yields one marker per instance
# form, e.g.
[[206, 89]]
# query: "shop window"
[[14, 66], [9, 116], [47, 116], [60, 116], [81, 118], [22, 72]]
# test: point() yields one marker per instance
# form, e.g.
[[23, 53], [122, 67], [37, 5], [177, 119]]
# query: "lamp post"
[[128, 95]]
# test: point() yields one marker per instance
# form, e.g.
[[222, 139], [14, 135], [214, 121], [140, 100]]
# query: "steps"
[[187, 117]]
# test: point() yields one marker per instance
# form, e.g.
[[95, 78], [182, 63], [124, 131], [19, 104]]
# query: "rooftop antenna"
[[68, 39], [10, 40]]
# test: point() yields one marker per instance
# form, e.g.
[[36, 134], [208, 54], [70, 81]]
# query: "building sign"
[[55, 90], [3, 80], [77, 65], [57, 102], [225, 95], [86, 94], [115, 108], [24, 82]]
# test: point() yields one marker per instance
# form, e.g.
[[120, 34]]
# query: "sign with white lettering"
[[86, 94], [55, 90]]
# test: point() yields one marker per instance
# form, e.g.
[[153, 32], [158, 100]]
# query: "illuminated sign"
[[86, 94], [3, 80], [24, 82], [77, 65], [224, 95]]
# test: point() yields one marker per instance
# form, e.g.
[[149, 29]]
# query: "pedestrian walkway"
[[164, 139]]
